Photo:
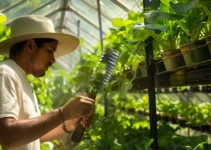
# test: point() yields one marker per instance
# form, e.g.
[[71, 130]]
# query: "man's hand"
[[84, 121], [78, 107]]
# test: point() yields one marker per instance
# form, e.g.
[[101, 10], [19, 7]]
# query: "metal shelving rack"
[[186, 76]]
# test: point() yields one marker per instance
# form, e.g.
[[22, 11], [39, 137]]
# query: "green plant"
[[117, 131], [205, 5], [4, 31], [192, 23], [169, 38], [120, 38]]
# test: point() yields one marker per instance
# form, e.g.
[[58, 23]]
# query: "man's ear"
[[31, 46]]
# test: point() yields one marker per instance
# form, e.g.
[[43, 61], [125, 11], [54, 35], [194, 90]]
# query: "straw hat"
[[34, 26]]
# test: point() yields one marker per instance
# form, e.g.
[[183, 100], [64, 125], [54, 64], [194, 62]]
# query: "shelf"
[[186, 76]]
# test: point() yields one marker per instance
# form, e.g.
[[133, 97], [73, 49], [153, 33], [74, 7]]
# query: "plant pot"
[[206, 89], [159, 66], [194, 89], [173, 59], [195, 52]]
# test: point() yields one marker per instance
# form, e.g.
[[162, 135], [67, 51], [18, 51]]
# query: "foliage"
[[117, 131], [170, 37], [192, 23], [176, 108], [183, 7], [46, 146], [44, 88], [121, 130], [4, 31]]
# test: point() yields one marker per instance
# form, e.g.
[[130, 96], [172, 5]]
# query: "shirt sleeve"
[[9, 106]]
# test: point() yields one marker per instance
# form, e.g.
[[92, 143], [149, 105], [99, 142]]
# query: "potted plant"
[[194, 48], [168, 40], [128, 37], [141, 32], [206, 30]]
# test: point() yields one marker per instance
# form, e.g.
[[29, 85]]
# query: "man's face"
[[42, 58]]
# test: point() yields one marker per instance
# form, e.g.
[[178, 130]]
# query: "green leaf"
[[125, 86], [142, 32], [117, 22], [138, 26], [100, 144], [182, 8], [2, 30], [46, 146], [133, 15], [3, 18], [205, 3], [156, 15], [124, 56], [165, 2], [148, 143]]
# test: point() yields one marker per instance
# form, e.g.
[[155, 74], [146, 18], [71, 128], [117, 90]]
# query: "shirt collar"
[[16, 67]]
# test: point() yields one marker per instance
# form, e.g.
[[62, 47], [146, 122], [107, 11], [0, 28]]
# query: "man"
[[31, 50]]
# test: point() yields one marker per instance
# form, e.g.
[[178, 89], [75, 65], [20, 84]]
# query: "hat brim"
[[66, 42]]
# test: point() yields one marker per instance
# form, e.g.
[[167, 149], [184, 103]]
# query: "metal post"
[[100, 24], [151, 86], [101, 45], [106, 104], [151, 93], [78, 26]]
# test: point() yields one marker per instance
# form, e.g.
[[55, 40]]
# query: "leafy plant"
[[205, 5], [117, 131], [169, 38], [4, 31], [192, 23]]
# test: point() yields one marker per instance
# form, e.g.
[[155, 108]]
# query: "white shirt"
[[17, 98]]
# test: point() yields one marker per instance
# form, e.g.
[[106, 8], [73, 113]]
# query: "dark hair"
[[18, 47]]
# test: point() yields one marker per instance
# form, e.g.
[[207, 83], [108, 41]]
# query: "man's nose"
[[53, 59]]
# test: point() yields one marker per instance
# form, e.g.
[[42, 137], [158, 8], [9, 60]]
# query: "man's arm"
[[15, 133], [70, 125], [58, 131]]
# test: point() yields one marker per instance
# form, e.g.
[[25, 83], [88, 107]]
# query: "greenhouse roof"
[[78, 17]]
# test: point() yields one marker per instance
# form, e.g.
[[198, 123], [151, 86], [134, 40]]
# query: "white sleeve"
[[9, 106]]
